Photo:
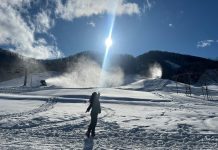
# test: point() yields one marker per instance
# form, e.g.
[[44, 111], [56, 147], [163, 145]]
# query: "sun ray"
[[108, 44]]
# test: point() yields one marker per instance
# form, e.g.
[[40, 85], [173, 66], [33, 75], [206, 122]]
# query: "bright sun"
[[108, 42]]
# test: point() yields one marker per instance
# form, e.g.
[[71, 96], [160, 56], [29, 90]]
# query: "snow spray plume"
[[155, 71], [33, 65], [86, 73]]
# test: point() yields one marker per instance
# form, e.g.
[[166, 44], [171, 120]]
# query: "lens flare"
[[108, 42]]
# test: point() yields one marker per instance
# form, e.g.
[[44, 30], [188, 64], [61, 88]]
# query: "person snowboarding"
[[94, 104]]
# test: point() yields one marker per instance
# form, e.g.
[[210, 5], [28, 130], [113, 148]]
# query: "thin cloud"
[[170, 25], [43, 21], [205, 43], [85, 8], [148, 4], [19, 26], [91, 23], [19, 33]]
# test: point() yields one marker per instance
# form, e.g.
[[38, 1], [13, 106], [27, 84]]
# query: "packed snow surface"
[[146, 114]]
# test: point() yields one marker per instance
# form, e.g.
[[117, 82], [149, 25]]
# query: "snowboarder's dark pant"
[[91, 128]]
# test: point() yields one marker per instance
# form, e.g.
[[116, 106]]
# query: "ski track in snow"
[[50, 127], [44, 107], [35, 132]]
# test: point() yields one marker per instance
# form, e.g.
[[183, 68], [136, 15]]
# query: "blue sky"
[[49, 29]]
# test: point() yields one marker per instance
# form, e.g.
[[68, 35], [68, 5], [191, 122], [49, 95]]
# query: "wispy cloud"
[[170, 25], [205, 43], [91, 23], [19, 25], [20, 33], [148, 5], [43, 21], [84, 8]]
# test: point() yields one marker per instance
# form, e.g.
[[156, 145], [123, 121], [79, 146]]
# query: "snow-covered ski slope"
[[147, 114]]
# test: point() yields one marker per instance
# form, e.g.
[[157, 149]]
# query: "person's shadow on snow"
[[88, 144]]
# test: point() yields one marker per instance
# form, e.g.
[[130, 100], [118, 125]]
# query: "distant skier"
[[96, 109]]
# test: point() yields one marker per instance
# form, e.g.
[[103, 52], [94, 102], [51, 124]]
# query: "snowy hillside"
[[146, 114], [32, 80]]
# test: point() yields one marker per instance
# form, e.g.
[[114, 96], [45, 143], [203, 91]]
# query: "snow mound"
[[148, 84]]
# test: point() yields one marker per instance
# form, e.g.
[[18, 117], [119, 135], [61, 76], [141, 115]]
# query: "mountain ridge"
[[173, 64]]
